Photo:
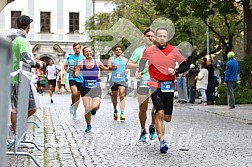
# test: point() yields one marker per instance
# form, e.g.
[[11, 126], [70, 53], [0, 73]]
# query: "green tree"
[[138, 12], [221, 17]]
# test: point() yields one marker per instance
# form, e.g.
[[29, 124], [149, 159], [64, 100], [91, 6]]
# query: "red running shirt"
[[161, 60]]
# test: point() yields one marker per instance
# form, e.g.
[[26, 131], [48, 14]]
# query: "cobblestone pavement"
[[197, 136]]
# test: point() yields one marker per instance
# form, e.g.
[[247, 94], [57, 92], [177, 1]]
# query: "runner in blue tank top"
[[74, 83], [90, 89], [118, 80]]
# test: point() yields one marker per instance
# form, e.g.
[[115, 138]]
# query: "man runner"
[[143, 90], [74, 83], [118, 80], [162, 59]]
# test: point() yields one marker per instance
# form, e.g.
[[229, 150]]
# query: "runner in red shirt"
[[162, 58]]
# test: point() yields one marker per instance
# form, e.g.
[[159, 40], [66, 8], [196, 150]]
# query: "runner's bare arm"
[[76, 70], [110, 61], [66, 67], [101, 66], [131, 64]]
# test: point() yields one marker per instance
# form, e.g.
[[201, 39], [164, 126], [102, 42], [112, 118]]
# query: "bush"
[[242, 95], [245, 68]]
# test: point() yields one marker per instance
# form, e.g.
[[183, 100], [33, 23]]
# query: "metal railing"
[[22, 113], [5, 65], [182, 89]]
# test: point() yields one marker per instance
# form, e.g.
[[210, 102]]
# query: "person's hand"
[[225, 84], [113, 67], [126, 72], [196, 78], [139, 75], [74, 69], [99, 79], [171, 71]]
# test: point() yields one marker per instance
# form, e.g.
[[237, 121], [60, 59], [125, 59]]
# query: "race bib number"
[[90, 83], [118, 75], [167, 86], [144, 82]]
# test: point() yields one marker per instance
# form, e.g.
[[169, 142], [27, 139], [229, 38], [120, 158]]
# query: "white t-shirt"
[[52, 70]]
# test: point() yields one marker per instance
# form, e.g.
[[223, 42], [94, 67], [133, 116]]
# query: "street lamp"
[[207, 35], [93, 8], [208, 43]]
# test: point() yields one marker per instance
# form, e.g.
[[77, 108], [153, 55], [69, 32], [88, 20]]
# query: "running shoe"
[[152, 133], [71, 109], [142, 137], [93, 112], [11, 135], [122, 117], [115, 115], [163, 146], [88, 130], [74, 116]]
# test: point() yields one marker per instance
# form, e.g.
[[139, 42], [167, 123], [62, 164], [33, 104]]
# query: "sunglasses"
[[149, 36]]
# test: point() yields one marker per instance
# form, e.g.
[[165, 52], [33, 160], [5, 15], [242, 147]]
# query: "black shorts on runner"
[[142, 90], [74, 83], [90, 92], [162, 100], [114, 86], [52, 82]]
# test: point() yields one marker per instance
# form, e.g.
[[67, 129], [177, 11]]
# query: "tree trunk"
[[247, 28]]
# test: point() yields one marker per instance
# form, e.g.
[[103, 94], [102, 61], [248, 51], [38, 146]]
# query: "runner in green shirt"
[[143, 90]]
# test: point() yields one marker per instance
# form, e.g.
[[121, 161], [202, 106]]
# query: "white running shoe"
[[11, 135]]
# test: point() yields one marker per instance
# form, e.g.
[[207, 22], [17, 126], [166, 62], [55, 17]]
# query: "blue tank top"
[[73, 60], [90, 76], [118, 75]]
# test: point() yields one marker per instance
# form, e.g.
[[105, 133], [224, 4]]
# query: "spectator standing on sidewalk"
[[202, 81], [21, 49], [210, 85], [191, 82], [231, 75]]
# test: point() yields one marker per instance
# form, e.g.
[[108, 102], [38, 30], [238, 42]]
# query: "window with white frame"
[[14, 16], [74, 22], [45, 22]]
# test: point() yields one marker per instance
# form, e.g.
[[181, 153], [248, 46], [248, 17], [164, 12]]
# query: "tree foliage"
[[140, 13], [221, 16], [191, 17]]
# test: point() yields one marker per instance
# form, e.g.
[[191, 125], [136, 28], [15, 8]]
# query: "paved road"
[[198, 136]]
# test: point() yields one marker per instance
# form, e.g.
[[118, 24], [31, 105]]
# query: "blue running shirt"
[[72, 61], [118, 75]]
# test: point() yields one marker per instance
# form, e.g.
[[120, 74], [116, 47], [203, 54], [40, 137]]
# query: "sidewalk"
[[242, 112]]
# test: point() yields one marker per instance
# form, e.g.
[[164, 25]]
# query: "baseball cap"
[[24, 20], [230, 54]]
